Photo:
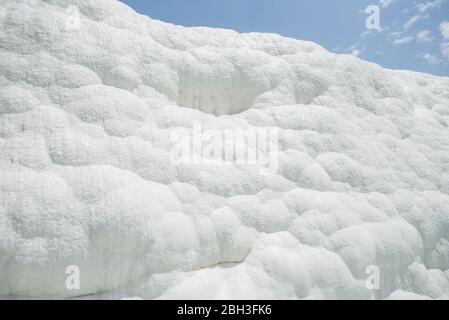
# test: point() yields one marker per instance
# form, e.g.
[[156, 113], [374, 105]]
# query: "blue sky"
[[413, 35]]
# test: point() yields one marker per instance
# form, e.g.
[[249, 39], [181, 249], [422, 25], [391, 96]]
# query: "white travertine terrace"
[[86, 178]]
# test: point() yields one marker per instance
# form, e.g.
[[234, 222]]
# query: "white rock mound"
[[86, 176]]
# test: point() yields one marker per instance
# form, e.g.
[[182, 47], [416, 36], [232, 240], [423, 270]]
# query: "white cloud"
[[365, 34], [386, 3], [406, 10], [425, 6], [395, 34], [431, 58], [445, 50], [413, 20], [424, 36], [356, 52], [422, 8], [403, 40], [399, 38], [444, 28]]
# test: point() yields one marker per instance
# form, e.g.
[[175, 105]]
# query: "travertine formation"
[[86, 177]]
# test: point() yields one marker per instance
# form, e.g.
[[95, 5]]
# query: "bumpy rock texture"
[[86, 177]]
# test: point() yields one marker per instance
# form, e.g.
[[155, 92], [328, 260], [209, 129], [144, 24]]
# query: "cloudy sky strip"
[[413, 35]]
